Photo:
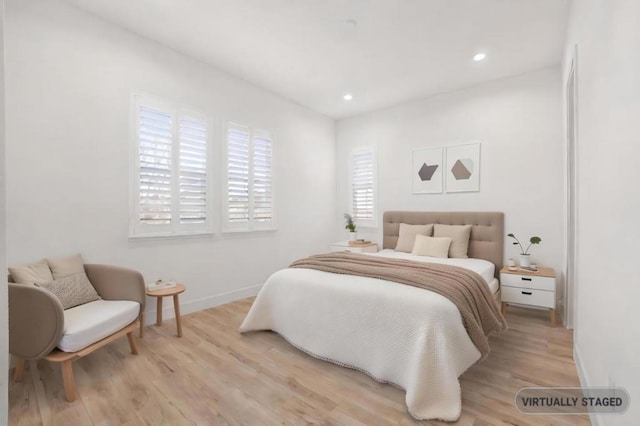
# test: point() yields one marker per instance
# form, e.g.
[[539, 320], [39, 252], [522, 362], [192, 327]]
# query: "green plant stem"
[[521, 249]]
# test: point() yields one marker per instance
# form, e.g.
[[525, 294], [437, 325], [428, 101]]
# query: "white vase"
[[525, 260], [353, 236]]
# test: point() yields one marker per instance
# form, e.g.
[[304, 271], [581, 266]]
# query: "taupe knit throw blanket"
[[466, 289]]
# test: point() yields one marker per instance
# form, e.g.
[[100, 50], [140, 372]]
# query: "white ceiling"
[[309, 52]]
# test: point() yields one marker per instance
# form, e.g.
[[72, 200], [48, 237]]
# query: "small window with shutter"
[[249, 199], [171, 190], [363, 181]]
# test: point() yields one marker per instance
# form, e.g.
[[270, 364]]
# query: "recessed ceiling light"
[[479, 56], [347, 97]]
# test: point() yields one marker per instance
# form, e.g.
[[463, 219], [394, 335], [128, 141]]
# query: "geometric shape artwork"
[[463, 168], [427, 171]]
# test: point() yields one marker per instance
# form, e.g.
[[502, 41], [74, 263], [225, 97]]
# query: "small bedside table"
[[172, 291], [529, 288], [344, 246]]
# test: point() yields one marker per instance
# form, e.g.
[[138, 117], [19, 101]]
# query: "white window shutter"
[[363, 187], [238, 164], [155, 166], [192, 184], [262, 181]]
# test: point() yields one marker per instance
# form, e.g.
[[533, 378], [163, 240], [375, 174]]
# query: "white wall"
[[607, 331], [69, 77], [4, 326], [518, 121]]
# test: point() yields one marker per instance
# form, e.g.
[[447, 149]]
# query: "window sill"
[[367, 228], [248, 231], [159, 237]]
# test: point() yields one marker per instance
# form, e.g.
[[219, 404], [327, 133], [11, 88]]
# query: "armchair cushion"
[[66, 266], [35, 273], [91, 322], [72, 290]]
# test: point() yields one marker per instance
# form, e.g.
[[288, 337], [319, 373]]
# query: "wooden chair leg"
[[176, 308], [141, 325], [68, 381], [18, 375], [132, 343], [504, 308]]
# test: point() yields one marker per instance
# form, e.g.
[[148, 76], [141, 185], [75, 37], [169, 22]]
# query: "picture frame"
[[462, 168], [427, 170]]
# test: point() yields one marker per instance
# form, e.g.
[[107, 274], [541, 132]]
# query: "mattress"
[[482, 267], [91, 322]]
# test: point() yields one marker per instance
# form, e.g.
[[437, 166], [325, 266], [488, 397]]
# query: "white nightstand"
[[529, 288], [344, 246]]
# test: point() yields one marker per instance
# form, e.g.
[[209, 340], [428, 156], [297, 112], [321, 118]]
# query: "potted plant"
[[351, 226], [525, 257]]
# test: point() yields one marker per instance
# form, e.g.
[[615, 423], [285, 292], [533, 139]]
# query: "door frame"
[[571, 202]]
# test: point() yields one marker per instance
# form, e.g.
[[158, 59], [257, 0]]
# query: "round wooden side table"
[[173, 291]]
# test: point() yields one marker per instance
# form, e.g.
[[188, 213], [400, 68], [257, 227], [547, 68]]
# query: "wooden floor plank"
[[214, 375]]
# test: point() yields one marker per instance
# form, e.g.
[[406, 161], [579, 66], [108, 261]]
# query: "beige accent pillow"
[[459, 234], [407, 235], [35, 273], [432, 246], [73, 290], [66, 266]]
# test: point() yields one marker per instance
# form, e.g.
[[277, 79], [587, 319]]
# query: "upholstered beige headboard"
[[487, 230]]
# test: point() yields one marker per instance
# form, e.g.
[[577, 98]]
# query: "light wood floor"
[[213, 375]]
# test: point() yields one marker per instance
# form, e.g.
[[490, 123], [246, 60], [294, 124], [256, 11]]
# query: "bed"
[[415, 339]]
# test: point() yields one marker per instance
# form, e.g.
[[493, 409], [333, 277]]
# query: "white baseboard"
[[187, 307], [584, 381]]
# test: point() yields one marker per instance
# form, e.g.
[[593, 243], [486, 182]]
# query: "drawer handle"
[[525, 279], [528, 293]]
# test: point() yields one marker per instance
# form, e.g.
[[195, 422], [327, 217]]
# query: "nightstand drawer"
[[529, 296], [528, 281]]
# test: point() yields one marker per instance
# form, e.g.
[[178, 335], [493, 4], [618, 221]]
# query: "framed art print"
[[462, 168], [426, 171]]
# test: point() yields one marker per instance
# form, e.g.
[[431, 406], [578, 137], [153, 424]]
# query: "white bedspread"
[[396, 333]]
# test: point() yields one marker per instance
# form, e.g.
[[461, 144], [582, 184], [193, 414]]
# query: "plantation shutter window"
[[155, 164], [238, 176], [249, 203], [193, 171], [262, 181], [363, 170], [171, 177]]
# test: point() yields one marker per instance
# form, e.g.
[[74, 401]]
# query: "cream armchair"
[[38, 324]]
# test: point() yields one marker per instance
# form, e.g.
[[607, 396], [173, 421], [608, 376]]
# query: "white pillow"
[[459, 234], [66, 266], [432, 246], [35, 273], [407, 235]]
